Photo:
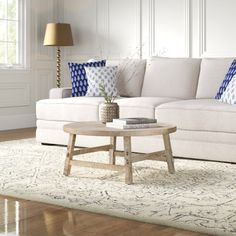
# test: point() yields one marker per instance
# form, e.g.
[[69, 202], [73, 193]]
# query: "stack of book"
[[132, 123]]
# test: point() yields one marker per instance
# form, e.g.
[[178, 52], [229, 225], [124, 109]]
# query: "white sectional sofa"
[[176, 91]]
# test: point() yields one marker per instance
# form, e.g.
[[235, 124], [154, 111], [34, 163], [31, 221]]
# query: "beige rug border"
[[111, 213]]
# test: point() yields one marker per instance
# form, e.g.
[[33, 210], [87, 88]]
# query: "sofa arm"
[[60, 93]]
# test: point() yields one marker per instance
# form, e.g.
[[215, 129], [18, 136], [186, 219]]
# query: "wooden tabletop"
[[99, 129]]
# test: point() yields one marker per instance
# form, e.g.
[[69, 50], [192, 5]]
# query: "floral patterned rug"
[[200, 196]]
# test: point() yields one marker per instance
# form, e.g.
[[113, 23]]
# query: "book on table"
[[133, 123], [134, 120]]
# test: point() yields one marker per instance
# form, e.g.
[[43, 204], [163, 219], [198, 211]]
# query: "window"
[[12, 17]]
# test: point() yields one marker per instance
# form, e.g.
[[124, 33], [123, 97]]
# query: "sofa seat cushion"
[[141, 106], [69, 109], [199, 115]]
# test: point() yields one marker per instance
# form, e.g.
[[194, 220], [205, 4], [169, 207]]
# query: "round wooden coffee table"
[[99, 129]]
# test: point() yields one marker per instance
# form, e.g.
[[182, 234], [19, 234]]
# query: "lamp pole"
[[58, 67]]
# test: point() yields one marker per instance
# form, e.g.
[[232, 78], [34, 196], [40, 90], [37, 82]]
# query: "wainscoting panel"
[[14, 95], [123, 28], [20, 89], [217, 22], [135, 28], [171, 22], [44, 83]]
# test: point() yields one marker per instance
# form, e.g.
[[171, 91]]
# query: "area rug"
[[200, 196]]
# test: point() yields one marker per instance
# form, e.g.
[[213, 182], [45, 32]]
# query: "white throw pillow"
[[130, 77], [229, 95], [106, 76]]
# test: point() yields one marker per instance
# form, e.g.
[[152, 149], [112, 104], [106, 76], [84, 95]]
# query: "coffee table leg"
[[69, 154], [168, 151], [128, 160], [112, 160]]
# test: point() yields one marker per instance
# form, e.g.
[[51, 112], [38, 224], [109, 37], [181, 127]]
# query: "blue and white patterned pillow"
[[229, 95], [106, 76], [79, 78], [228, 77]]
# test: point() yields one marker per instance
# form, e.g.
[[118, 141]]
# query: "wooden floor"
[[28, 218]]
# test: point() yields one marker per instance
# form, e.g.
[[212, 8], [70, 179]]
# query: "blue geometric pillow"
[[78, 76], [229, 95], [228, 77]]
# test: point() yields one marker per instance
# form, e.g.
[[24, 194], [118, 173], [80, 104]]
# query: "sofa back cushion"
[[212, 73], [171, 77], [129, 76]]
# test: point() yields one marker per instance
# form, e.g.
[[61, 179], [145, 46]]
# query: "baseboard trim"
[[17, 121]]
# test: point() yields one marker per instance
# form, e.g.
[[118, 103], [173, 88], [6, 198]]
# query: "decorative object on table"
[[58, 34], [131, 126], [133, 123], [134, 120], [229, 95], [228, 77], [78, 76], [110, 109]]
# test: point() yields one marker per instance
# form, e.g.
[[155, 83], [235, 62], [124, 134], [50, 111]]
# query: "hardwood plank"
[[8, 135], [39, 219]]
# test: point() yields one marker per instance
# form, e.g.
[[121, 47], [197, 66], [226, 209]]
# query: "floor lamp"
[[58, 34]]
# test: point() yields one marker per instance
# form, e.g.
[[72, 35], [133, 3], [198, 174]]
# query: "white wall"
[[114, 29], [20, 89]]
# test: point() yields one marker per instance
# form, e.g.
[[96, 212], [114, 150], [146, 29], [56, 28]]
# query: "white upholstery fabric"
[[171, 77], [130, 77], [69, 109], [211, 76], [56, 93], [205, 136], [141, 106], [199, 115], [204, 150]]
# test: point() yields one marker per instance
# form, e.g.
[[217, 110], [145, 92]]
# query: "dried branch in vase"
[[108, 98]]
